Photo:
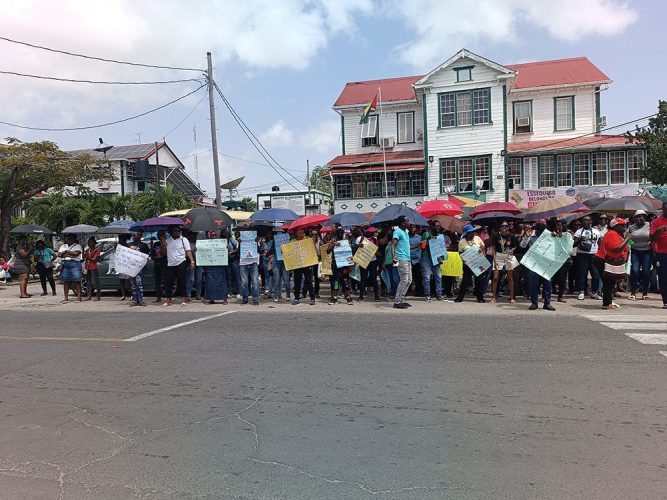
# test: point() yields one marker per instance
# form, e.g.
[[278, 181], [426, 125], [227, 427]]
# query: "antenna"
[[231, 186]]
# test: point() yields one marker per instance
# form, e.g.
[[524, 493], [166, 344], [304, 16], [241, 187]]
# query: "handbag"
[[511, 263], [49, 265], [614, 269]]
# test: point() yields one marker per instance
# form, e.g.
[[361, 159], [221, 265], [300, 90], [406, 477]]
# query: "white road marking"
[[177, 325], [649, 338], [636, 326], [625, 318]]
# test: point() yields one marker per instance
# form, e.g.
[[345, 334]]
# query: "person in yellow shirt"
[[469, 239]]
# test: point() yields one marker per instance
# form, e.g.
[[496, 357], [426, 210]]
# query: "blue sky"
[[282, 64]]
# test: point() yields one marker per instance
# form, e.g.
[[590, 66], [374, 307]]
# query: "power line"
[[185, 118], [258, 163], [98, 82], [94, 58], [105, 124]]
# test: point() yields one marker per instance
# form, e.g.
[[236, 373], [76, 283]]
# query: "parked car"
[[109, 277]]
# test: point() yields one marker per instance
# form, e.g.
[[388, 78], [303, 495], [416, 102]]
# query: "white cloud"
[[444, 26], [277, 135], [323, 137]]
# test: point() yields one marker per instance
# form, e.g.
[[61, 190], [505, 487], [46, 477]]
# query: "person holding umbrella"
[[22, 264], [71, 272], [179, 259], [470, 239]]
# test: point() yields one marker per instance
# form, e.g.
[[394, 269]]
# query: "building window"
[[343, 187], [530, 173], [635, 162], [546, 171], [582, 175], [418, 185], [617, 167], [464, 74], [482, 172], [523, 117], [406, 127], [599, 164], [465, 175], [564, 166], [564, 113], [374, 185], [358, 186], [448, 175], [513, 172], [402, 183], [369, 131], [471, 107]]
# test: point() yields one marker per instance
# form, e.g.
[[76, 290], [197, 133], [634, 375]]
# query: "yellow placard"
[[365, 253], [453, 266], [326, 261], [299, 253]]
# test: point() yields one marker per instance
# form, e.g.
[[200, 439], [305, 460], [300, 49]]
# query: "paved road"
[[265, 404]]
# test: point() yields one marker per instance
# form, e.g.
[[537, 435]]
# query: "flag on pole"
[[369, 109]]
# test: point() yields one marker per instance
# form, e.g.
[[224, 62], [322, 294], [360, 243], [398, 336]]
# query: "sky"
[[282, 63]]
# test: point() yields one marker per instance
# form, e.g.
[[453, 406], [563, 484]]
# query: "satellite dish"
[[232, 184]]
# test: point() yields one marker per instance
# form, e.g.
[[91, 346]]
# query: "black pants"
[[447, 285], [160, 267], [468, 278], [176, 273], [417, 279], [307, 274], [559, 280], [314, 269], [46, 275], [93, 279], [370, 273], [608, 285]]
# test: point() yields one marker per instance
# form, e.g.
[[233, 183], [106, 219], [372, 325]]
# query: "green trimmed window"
[[461, 109], [582, 173], [465, 175], [406, 127], [635, 162], [464, 74], [599, 167], [564, 113], [513, 172], [369, 131], [547, 171], [523, 117], [617, 167], [564, 167]]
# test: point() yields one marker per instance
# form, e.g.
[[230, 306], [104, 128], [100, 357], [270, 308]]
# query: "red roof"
[[377, 168], [590, 141], [375, 158], [577, 70], [393, 89]]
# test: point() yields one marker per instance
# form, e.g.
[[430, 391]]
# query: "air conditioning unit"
[[603, 122], [420, 134], [388, 142], [103, 184], [523, 121]]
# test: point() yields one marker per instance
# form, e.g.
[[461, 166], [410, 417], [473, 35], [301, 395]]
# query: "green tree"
[[248, 204], [27, 169], [654, 138], [317, 181], [55, 211], [157, 200], [117, 207]]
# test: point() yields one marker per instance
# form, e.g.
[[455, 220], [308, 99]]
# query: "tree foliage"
[[248, 204], [157, 200], [654, 138], [317, 181]]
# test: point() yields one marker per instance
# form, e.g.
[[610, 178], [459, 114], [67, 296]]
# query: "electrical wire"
[[185, 118], [94, 58], [258, 163], [87, 127], [98, 82]]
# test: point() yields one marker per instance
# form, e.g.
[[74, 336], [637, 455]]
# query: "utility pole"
[[308, 174], [214, 138]]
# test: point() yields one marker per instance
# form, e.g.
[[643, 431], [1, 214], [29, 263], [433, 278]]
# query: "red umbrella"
[[438, 207], [309, 220], [496, 206]]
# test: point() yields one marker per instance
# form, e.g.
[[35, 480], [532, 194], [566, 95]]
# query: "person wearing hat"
[[470, 239], [658, 238], [613, 251], [641, 255]]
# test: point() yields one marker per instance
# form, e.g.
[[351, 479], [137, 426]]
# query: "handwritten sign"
[[278, 240], [365, 253], [299, 254], [343, 254], [453, 265], [547, 254], [437, 249], [326, 262], [212, 252], [128, 261], [475, 260], [249, 253]]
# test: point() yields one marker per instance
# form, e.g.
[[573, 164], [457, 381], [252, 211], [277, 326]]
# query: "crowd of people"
[[611, 258]]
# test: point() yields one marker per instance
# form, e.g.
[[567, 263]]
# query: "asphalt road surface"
[[299, 404]]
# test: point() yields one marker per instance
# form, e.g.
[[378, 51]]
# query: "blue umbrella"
[[393, 212], [348, 219], [274, 214]]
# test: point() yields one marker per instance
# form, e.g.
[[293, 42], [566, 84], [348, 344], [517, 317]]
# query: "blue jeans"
[[138, 287], [640, 265], [250, 278], [393, 279], [661, 270], [280, 274], [429, 269], [585, 264], [194, 278], [535, 280]]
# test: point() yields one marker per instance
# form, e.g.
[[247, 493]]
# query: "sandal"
[[632, 297], [645, 297]]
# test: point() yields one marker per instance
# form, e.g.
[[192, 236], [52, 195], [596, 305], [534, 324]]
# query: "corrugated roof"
[[375, 158], [393, 89], [593, 141], [377, 168], [576, 70]]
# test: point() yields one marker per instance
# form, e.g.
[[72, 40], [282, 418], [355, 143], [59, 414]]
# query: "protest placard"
[[249, 253], [547, 254], [326, 261], [343, 254], [365, 253], [355, 273], [475, 260], [438, 250], [299, 254], [128, 261], [212, 252], [280, 239], [453, 266]]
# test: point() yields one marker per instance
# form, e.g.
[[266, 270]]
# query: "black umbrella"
[[621, 206], [393, 212], [206, 219], [492, 217], [348, 219], [31, 229], [116, 227]]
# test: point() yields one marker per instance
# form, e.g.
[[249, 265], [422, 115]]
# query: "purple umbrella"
[[156, 224]]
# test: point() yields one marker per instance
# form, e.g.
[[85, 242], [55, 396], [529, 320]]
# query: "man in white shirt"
[[586, 241], [179, 253]]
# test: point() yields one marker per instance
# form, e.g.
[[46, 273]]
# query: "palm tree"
[[117, 207], [157, 200], [55, 211]]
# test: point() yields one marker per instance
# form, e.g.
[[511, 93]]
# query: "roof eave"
[[384, 103], [562, 86]]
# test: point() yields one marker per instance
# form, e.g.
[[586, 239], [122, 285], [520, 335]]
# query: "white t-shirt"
[[72, 248], [176, 249], [592, 235]]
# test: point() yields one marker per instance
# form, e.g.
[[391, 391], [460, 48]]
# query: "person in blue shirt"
[[44, 257], [400, 246]]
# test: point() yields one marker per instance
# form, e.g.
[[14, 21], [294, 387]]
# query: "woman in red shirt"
[[613, 247], [91, 257]]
